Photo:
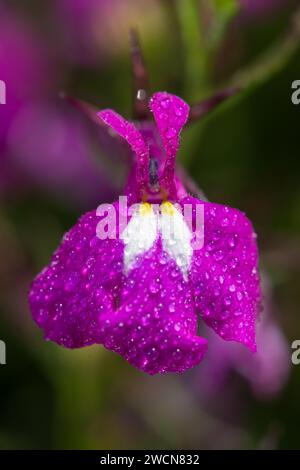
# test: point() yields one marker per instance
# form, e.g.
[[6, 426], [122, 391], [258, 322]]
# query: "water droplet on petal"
[[239, 295], [219, 255], [172, 308], [171, 132]]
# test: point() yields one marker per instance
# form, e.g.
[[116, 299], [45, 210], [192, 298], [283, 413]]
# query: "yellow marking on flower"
[[167, 208], [145, 208]]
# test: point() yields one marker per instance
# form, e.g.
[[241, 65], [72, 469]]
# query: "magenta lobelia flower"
[[140, 297], [139, 290]]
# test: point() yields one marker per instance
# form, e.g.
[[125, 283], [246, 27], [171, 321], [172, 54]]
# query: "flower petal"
[[176, 237], [69, 296], [224, 273], [130, 133], [170, 114], [140, 234], [84, 296], [155, 329]]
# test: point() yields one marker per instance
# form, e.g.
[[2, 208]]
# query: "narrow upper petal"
[[170, 114], [132, 135]]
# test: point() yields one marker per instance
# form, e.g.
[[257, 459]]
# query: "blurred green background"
[[53, 168]]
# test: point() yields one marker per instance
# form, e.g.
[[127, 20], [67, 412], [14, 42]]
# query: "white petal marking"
[[176, 237], [140, 234], [144, 227]]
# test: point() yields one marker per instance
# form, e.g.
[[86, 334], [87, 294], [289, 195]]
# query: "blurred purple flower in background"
[[266, 372], [262, 7], [25, 67], [96, 29], [77, 17], [65, 156], [24, 64], [45, 143]]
